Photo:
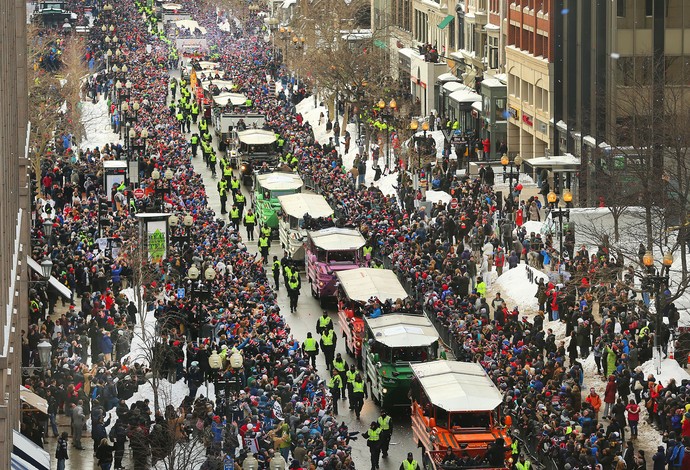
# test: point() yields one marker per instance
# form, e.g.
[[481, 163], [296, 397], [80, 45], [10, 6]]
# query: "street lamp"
[[387, 117], [215, 362], [514, 172], [46, 268], [45, 350], [655, 280], [48, 232], [560, 213], [567, 197], [236, 362]]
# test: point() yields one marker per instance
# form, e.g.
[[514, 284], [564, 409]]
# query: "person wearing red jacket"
[[595, 401], [633, 410], [609, 395]]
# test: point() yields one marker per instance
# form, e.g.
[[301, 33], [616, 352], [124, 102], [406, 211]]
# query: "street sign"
[[139, 193], [454, 203]]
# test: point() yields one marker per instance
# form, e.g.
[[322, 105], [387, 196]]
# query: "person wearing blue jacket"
[[106, 346]]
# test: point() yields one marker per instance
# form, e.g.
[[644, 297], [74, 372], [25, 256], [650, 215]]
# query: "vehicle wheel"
[[313, 292]]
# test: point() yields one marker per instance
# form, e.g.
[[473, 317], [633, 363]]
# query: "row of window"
[[533, 95]]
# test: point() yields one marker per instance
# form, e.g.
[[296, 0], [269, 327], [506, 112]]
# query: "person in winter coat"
[[61, 451], [107, 346], [659, 458], [104, 454], [633, 410], [610, 359], [595, 401], [513, 260], [609, 395]]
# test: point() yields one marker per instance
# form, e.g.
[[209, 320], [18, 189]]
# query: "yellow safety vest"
[[293, 283], [324, 322], [234, 213], [373, 434], [407, 465], [263, 242], [358, 387], [327, 338], [249, 219], [222, 187], [350, 376], [335, 381], [240, 198], [310, 344], [384, 423], [235, 184], [339, 365]]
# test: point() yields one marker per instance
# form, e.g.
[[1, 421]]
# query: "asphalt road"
[[308, 311]]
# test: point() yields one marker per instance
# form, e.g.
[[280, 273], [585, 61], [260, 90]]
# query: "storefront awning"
[[60, 287], [33, 400], [445, 22], [26, 455], [465, 96]]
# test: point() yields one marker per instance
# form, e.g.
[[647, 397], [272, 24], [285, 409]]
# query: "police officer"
[[350, 377], [328, 340], [523, 464], [276, 271], [359, 391], [335, 385], [212, 162], [227, 171], [195, 143], [386, 432], [264, 246], [266, 231], [410, 463], [249, 221], [240, 200], [372, 435], [340, 365], [235, 217], [294, 284], [323, 323], [234, 185], [311, 348], [223, 191]]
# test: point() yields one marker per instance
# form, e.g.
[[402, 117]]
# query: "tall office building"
[[611, 55], [14, 218]]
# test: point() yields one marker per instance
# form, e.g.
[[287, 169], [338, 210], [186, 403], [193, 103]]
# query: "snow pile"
[[670, 369], [517, 290], [96, 120]]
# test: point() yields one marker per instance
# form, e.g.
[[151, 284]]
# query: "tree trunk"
[[648, 224], [346, 117]]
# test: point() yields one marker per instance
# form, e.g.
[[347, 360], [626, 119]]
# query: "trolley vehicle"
[[267, 188], [392, 343], [455, 405], [355, 288], [294, 208], [254, 148], [328, 251]]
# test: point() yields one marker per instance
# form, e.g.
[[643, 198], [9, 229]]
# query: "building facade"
[[14, 217], [529, 67], [615, 54]]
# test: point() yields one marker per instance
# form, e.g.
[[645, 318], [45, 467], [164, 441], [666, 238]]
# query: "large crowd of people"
[[275, 402]]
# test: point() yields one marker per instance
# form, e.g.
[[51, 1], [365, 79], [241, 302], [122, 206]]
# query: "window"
[[451, 35], [649, 7], [461, 30], [493, 53], [500, 109], [620, 8]]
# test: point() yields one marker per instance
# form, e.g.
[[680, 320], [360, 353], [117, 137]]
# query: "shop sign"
[[513, 113], [527, 119]]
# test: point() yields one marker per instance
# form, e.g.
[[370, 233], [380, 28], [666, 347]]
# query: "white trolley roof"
[[236, 99], [279, 181], [364, 283], [458, 386], [337, 239], [256, 137], [296, 205], [397, 330]]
